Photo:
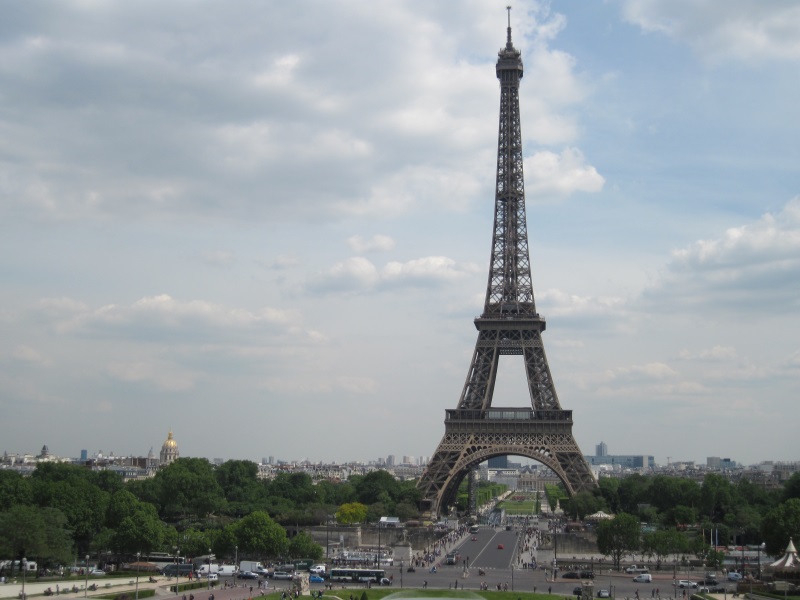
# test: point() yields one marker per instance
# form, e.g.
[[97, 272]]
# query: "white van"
[[206, 569], [227, 570], [643, 578]]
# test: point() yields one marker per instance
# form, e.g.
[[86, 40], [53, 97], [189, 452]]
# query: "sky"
[[266, 226]]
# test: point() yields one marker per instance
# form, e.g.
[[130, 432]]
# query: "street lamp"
[[86, 585], [24, 565], [138, 555], [378, 555], [236, 559], [208, 575], [401, 573]]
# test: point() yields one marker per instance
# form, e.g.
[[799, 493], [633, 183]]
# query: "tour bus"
[[473, 529], [348, 575]]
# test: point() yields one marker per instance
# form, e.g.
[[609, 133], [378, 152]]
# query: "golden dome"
[[170, 443]]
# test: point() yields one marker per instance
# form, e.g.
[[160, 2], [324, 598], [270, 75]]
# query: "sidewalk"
[[13, 589]]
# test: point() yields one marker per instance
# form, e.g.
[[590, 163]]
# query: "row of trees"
[[740, 512], [62, 511]]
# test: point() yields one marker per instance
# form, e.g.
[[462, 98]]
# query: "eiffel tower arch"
[[475, 431]]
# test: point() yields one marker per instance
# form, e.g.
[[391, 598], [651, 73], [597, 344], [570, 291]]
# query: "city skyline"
[[267, 227]]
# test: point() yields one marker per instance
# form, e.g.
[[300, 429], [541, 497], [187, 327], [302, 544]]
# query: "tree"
[[582, 504], [662, 543], [791, 488], [715, 497], [14, 489], [303, 546], [241, 487], [780, 524], [618, 537], [71, 490], [633, 491], [142, 531], [258, 535], [352, 512], [22, 532], [188, 486], [377, 486]]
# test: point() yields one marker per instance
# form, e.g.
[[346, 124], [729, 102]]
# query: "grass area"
[[525, 507]]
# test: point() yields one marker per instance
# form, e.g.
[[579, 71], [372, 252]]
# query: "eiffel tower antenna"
[[509, 325]]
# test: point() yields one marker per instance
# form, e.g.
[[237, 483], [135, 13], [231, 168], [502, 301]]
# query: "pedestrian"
[[424, 585], [549, 590]]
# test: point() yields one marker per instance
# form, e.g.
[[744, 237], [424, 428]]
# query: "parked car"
[[246, 575], [212, 577], [603, 594], [316, 579], [685, 583], [571, 575]]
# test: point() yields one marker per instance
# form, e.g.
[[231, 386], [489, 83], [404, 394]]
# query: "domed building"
[[169, 450]]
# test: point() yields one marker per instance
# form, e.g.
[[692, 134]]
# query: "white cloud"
[[548, 175], [563, 304], [164, 317], [359, 274], [163, 376], [218, 258], [752, 265], [717, 353], [30, 355], [743, 30], [377, 243]]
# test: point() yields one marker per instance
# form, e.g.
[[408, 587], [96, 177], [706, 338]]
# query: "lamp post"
[[138, 555], [24, 565], [236, 559], [401, 573], [208, 575], [327, 539], [86, 585], [177, 571]]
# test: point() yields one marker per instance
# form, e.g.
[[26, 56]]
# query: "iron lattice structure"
[[509, 325]]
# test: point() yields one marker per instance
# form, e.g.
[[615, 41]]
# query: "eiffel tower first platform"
[[475, 431]]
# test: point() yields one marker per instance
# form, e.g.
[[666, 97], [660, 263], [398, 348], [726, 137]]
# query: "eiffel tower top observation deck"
[[509, 325]]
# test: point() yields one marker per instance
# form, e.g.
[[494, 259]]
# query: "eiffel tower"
[[509, 325]]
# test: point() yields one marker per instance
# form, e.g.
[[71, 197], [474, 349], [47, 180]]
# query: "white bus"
[[349, 575]]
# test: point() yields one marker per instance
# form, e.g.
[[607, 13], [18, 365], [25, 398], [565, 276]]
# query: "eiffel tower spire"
[[509, 325]]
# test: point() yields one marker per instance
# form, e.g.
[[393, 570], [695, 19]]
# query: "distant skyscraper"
[[390, 460], [601, 449], [84, 455], [498, 462]]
